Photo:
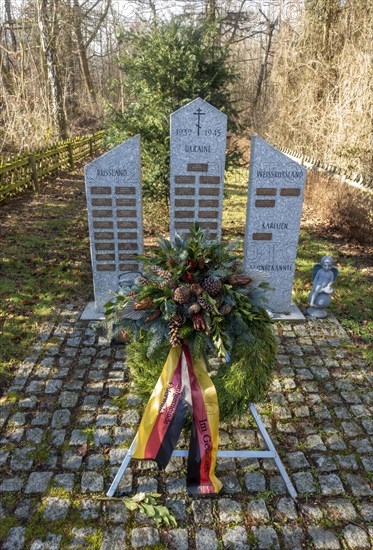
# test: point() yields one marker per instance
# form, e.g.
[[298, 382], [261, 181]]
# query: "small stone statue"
[[323, 276]]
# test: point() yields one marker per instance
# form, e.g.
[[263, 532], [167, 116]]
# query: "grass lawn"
[[46, 263]]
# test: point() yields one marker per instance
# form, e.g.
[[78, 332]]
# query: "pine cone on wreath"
[[182, 295], [167, 284], [225, 309], [164, 273], [204, 304], [174, 326], [194, 308], [212, 285], [196, 289]]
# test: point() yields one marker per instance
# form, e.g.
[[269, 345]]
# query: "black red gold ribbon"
[[184, 385]]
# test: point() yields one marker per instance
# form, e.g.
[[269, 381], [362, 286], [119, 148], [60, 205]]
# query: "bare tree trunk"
[[211, 10], [264, 65], [77, 19], [154, 12], [47, 45], [71, 104], [9, 25], [8, 39]]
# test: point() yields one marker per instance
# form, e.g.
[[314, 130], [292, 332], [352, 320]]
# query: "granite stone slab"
[[197, 157], [274, 207], [114, 201]]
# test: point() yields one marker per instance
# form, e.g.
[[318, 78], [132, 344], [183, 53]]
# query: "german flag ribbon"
[[184, 385]]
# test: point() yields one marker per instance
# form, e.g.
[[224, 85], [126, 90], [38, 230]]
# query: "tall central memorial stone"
[[114, 201], [274, 207], [197, 150]]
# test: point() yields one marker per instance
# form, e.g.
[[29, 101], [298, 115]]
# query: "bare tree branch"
[[99, 23]]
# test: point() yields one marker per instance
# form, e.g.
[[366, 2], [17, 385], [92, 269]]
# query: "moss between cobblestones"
[[328, 522], [38, 527], [6, 524], [251, 539], [10, 500], [121, 402], [94, 541], [41, 453], [58, 492], [89, 432], [13, 397], [267, 496]]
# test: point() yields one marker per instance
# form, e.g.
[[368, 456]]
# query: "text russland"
[[111, 172]]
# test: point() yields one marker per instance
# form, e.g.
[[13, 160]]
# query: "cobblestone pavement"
[[70, 414]]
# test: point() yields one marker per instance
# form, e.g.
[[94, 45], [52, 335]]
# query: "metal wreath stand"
[[270, 453]]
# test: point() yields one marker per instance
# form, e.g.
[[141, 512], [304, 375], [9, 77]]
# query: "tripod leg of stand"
[[122, 469], [260, 454], [271, 447]]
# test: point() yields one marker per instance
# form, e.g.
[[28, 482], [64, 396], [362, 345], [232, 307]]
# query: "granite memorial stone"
[[198, 140], [114, 200], [274, 206]]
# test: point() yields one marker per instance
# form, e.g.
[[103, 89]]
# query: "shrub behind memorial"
[[340, 208], [164, 68]]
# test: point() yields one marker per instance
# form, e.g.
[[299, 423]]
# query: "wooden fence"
[[31, 169], [351, 178]]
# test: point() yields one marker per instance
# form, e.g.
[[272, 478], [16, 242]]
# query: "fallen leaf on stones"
[[83, 449]]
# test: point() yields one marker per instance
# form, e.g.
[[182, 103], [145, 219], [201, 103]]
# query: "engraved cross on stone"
[[199, 113]]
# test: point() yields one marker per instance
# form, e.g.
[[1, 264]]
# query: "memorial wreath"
[[193, 294], [191, 298]]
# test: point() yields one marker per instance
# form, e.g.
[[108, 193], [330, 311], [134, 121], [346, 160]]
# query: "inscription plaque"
[[262, 236], [187, 180], [264, 204], [291, 192], [202, 167], [266, 191]]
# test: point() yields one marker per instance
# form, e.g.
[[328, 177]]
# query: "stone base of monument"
[[90, 313], [317, 313], [294, 315]]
